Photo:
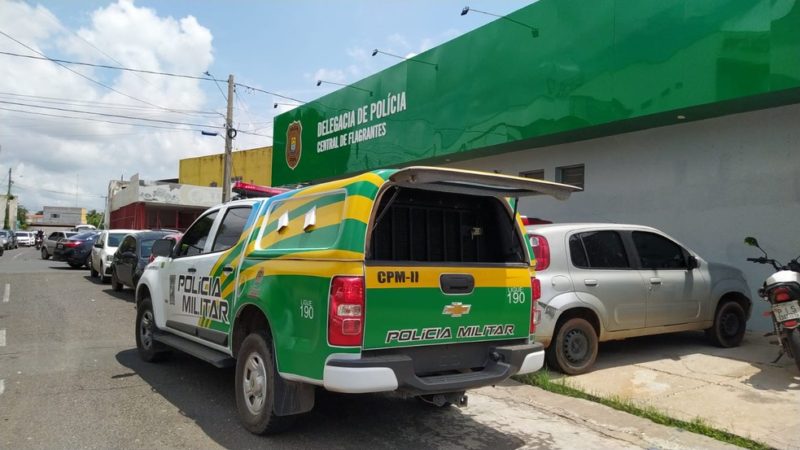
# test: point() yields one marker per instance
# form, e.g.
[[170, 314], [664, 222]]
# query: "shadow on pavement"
[[206, 395], [754, 351], [126, 294]]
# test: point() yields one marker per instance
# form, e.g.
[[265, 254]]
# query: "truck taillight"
[[346, 311], [541, 251], [536, 294]]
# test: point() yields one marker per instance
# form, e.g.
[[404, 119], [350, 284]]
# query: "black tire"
[[93, 273], [574, 349], [794, 345], [45, 255], [115, 284], [254, 399], [729, 326], [149, 349]]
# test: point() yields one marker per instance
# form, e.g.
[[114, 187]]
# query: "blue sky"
[[278, 46]]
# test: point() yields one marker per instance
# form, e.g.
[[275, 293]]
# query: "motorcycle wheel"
[[794, 346]]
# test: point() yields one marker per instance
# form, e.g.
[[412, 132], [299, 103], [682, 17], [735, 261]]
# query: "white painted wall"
[[708, 184]]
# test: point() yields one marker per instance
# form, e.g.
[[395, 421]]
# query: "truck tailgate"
[[420, 305]]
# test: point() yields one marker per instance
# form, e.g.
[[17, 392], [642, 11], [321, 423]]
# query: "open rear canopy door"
[[478, 183]]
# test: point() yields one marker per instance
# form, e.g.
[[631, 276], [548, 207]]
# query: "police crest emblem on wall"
[[294, 144]]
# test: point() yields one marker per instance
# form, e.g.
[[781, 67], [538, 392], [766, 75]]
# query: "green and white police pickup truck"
[[416, 280]]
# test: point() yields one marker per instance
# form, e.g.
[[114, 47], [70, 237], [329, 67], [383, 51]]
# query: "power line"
[[119, 116], [89, 103], [80, 74], [268, 92], [150, 72], [98, 120], [53, 191], [100, 66]]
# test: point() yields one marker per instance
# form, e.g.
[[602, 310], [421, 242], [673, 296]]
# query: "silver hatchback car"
[[603, 282]]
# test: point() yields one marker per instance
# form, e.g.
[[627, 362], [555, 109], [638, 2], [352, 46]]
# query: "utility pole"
[[7, 220], [230, 133]]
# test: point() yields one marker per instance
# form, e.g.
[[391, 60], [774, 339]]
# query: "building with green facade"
[[679, 114]]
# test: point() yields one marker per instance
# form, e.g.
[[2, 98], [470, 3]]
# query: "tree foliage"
[[95, 218]]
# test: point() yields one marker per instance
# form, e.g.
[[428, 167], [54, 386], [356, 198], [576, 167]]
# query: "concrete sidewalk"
[[684, 376]]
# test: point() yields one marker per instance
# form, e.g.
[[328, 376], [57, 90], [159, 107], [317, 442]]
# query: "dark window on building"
[[231, 228], [573, 175], [54, 216], [194, 241], [658, 252], [537, 174], [598, 250]]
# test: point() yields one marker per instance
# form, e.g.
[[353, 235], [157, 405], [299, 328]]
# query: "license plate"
[[786, 311]]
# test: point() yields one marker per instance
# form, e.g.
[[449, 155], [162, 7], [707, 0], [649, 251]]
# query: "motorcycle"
[[782, 291], [38, 242]]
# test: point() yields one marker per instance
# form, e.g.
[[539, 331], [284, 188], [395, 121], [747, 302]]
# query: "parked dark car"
[[75, 250], [9, 239], [49, 244], [131, 257]]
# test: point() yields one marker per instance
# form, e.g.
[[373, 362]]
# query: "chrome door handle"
[[655, 280], [590, 282]]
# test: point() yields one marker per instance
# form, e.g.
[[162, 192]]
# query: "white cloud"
[[46, 153]]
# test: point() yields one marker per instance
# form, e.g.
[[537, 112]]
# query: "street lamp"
[[319, 83], [534, 31], [376, 51]]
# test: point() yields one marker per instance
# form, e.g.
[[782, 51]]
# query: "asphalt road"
[[70, 377]]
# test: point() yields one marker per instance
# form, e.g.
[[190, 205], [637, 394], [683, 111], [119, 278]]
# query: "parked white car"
[[603, 282], [103, 252], [25, 238]]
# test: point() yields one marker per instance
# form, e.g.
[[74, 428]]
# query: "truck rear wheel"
[[255, 387]]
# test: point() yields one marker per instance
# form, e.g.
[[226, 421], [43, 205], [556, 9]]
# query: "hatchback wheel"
[[729, 325], [574, 349]]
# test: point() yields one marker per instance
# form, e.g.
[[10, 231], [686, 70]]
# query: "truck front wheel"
[[255, 387]]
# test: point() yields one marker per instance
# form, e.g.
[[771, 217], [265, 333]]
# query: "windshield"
[[115, 238]]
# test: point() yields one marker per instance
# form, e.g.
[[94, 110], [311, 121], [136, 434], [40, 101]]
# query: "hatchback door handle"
[[191, 270], [655, 280], [590, 282]]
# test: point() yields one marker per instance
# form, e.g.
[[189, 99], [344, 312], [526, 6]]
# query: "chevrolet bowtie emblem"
[[456, 309]]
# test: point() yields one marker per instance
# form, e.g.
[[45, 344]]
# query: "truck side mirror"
[[162, 247]]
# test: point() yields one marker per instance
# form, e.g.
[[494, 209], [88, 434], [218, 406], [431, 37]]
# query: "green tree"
[[22, 217], [94, 217]]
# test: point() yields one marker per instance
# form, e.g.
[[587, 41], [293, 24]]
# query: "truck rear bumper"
[[396, 372]]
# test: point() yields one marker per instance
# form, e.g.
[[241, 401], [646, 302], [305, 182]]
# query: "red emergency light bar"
[[255, 190]]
